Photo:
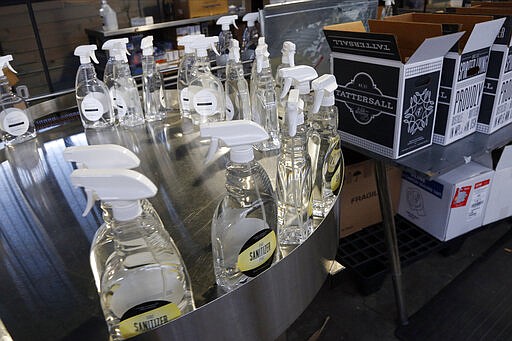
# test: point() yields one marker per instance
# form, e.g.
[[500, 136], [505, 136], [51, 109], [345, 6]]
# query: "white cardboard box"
[[387, 83], [499, 205], [450, 205], [464, 70]]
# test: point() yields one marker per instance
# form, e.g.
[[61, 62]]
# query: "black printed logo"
[[417, 115]]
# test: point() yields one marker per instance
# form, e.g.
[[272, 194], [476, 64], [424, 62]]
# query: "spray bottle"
[[108, 73], [108, 17], [387, 11], [145, 283], [238, 99], [287, 60], [225, 37], [293, 178], [324, 145], [16, 124], [184, 72], [206, 92], [250, 39], [264, 100], [262, 46], [300, 76], [125, 92], [92, 95], [244, 225], [153, 95]]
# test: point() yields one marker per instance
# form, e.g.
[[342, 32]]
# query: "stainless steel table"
[[46, 288]]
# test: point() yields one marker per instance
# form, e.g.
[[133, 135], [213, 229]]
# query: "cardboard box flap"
[[407, 43], [483, 35], [352, 38], [435, 47], [505, 159]]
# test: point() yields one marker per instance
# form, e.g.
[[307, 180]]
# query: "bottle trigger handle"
[[91, 199], [214, 145], [286, 87], [93, 57]]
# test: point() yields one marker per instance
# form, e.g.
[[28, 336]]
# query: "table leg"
[[391, 239]]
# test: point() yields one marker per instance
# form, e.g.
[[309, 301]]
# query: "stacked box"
[[464, 72]]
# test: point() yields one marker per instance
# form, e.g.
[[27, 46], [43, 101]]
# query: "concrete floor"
[[373, 317]]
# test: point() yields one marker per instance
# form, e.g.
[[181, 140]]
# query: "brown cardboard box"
[[359, 204], [185, 9]]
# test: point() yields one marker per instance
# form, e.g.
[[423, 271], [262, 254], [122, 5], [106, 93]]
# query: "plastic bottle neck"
[[288, 59], [126, 210], [241, 154], [202, 64], [87, 71], [5, 87]]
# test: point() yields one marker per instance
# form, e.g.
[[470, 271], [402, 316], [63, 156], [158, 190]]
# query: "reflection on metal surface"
[[44, 240]]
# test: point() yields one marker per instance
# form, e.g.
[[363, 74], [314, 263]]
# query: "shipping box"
[[359, 199], [388, 81], [464, 71], [496, 107], [185, 9], [449, 205]]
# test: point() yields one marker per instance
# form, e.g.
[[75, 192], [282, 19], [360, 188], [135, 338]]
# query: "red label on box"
[[482, 183], [461, 197]]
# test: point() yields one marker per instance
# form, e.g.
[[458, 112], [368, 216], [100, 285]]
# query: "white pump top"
[[300, 76], [227, 20], [86, 53], [251, 18], [122, 188], [187, 40], [102, 156], [4, 61], [234, 51], [202, 45], [288, 53], [262, 55], [118, 49], [324, 87], [240, 135], [146, 45], [294, 112]]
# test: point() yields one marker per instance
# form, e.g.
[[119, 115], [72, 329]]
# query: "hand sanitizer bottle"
[[125, 92], [324, 145], [293, 179], [145, 283], [264, 100], [110, 46], [16, 124], [225, 37], [287, 60], [184, 72], [250, 39], [206, 92], [92, 95], [238, 99], [244, 242], [108, 16], [152, 84], [300, 76]]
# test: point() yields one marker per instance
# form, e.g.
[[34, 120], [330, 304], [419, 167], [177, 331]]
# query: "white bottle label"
[[14, 121], [205, 102], [230, 109], [185, 101], [94, 105]]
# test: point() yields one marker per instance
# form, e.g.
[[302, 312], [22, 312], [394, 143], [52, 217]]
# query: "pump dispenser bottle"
[[287, 60], [264, 100], [145, 283], [110, 46], [294, 179], [153, 95], [250, 39], [300, 77], [108, 16], [184, 72], [324, 145], [206, 92], [92, 95], [244, 225], [238, 103], [16, 124], [225, 37]]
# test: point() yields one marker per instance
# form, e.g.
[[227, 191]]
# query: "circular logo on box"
[[362, 97]]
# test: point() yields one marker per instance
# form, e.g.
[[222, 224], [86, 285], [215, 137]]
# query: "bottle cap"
[[300, 76], [146, 45], [288, 53], [86, 53], [227, 20], [4, 61], [261, 55], [324, 87], [234, 51], [251, 18], [186, 40]]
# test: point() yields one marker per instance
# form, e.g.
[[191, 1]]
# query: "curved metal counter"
[[47, 290]]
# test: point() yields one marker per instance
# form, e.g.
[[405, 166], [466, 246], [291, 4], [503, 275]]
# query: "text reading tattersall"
[[358, 98], [362, 45]]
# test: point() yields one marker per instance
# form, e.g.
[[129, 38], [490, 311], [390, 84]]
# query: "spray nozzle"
[[111, 44], [261, 54], [187, 40], [293, 107], [251, 18], [202, 45], [227, 20], [324, 87], [4, 61], [234, 50], [86, 53], [239, 135], [146, 45], [389, 2], [299, 76], [122, 188], [288, 53]]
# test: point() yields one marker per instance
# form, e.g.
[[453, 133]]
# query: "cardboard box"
[[464, 71], [185, 9], [499, 205], [359, 202], [450, 205], [496, 107], [387, 83]]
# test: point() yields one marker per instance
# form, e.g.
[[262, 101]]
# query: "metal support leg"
[[391, 240]]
